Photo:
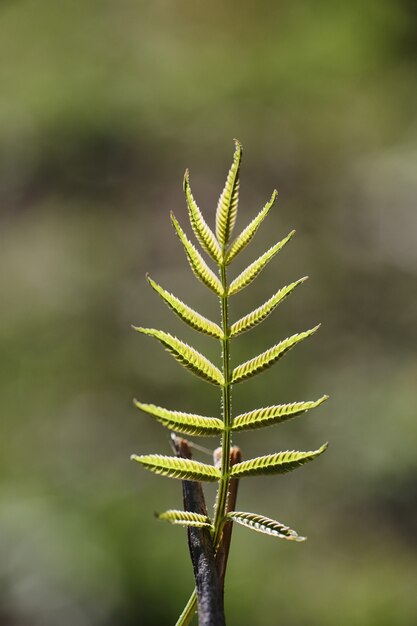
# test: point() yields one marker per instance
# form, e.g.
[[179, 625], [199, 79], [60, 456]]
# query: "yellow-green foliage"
[[218, 247], [186, 423], [264, 525], [174, 467], [185, 518]]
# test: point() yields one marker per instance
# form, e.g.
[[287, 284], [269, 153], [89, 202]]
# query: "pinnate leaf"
[[175, 467], [186, 355], [229, 198], [186, 423], [270, 415], [277, 463], [252, 271], [197, 263], [269, 357], [185, 518], [258, 315], [201, 230], [246, 235], [265, 525], [186, 313]]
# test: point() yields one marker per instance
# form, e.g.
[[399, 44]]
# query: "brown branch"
[[222, 553], [207, 579]]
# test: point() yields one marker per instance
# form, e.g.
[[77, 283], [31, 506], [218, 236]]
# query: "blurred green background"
[[103, 105]]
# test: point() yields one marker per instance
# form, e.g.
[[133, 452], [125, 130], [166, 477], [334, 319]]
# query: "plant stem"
[[189, 610], [222, 553], [207, 576], [221, 499], [227, 416]]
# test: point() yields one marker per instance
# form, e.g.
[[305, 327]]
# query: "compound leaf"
[[265, 525], [186, 313], [251, 272], [246, 235], [201, 230], [175, 467], [273, 414], [269, 357], [196, 261], [227, 205], [258, 315], [186, 423], [186, 355], [278, 463], [185, 518]]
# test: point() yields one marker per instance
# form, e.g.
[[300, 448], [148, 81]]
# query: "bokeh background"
[[103, 105]]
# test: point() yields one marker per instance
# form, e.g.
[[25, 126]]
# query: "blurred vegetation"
[[102, 106]]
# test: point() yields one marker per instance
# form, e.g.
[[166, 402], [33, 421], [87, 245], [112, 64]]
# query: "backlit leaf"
[[269, 357], [201, 230], [227, 206], [196, 261], [246, 235], [265, 525], [185, 518], [186, 423], [186, 313], [186, 355], [258, 315], [175, 467], [278, 463], [251, 272], [273, 414]]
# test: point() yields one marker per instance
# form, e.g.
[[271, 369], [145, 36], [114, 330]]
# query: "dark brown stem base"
[[207, 579], [222, 553]]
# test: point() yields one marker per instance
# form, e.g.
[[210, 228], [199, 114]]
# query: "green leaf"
[[201, 230], [186, 423], [186, 313], [197, 263], [269, 357], [227, 206], [186, 355], [278, 463], [175, 467], [251, 272], [265, 525], [185, 518], [246, 235], [258, 315], [273, 414]]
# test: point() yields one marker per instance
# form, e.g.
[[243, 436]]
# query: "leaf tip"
[[186, 176], [150, 281], [238, 145]]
